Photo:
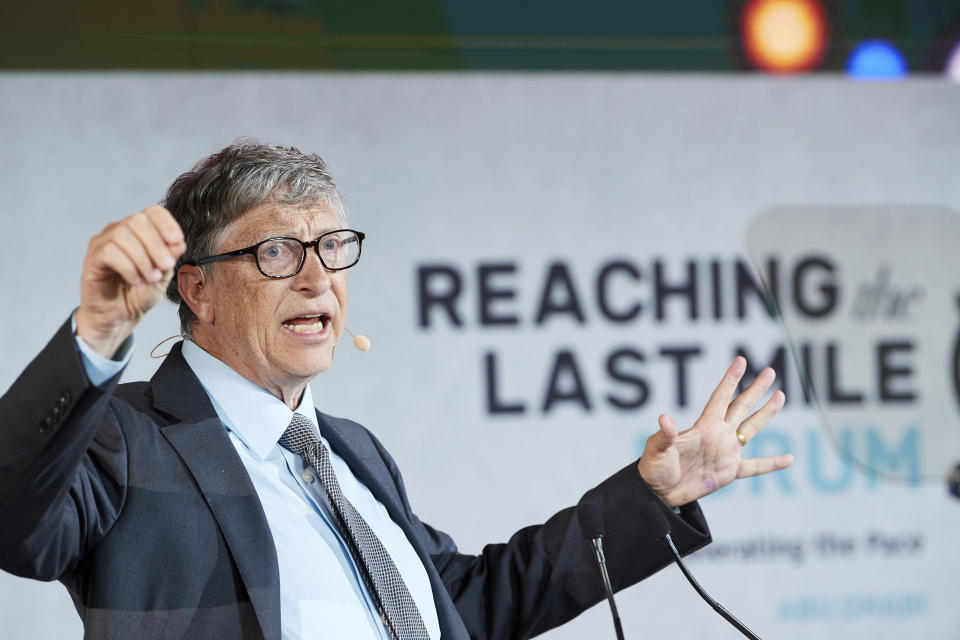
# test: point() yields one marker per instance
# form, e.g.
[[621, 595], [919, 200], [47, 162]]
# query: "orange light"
[[784, 36]]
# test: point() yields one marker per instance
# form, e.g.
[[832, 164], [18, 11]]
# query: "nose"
[[313, 275]]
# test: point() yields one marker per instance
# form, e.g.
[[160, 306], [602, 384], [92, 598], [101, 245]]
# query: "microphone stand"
[[729, 617], [608, 589]]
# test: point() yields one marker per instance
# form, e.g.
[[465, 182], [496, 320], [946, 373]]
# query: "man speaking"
[[215, 501]]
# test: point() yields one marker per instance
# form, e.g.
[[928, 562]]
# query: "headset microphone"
[[360, 342]]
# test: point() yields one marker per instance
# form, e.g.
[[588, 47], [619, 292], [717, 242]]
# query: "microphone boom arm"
[[729, 617]]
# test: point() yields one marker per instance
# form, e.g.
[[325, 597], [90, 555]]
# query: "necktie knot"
[[300, 436]]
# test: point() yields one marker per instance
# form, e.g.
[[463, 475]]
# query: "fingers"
[[151, 241], [668, 428], [150, 236], [168, 228], [758, 466], [744, 402], [762, 416], [663, 439], [720, 400], [116, 260], [138, 252]]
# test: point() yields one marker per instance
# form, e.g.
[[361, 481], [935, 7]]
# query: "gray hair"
[[223, 187]]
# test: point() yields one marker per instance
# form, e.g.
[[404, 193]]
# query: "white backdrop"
[[539, 182]]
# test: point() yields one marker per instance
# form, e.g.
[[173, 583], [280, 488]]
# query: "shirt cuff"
[[98, 368]]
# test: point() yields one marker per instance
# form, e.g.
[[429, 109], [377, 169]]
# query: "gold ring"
[[742, 438]]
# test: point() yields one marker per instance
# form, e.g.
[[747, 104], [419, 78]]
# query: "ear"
[[191, 283]]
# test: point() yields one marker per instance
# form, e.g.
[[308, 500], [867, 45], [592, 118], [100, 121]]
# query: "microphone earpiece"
[[360, 342]]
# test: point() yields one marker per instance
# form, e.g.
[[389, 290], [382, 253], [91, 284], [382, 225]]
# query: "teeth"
[[316, 327]]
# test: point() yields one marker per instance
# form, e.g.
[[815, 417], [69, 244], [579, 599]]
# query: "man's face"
[[279, 333]]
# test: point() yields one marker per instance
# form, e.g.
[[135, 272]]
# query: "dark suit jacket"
[[134, 498]]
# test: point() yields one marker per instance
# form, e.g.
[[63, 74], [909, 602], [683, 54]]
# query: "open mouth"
[[307, 324]]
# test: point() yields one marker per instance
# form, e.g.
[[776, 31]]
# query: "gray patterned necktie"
[[398, 611]]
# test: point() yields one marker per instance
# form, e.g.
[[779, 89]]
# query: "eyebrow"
[[274, 233]]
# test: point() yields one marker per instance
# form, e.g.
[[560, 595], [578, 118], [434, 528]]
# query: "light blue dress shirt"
[[322, 594]]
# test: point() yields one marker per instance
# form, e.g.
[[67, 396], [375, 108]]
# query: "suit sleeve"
[[546, 574], [62, 463]]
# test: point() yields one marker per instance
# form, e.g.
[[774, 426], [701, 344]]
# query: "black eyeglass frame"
[[253, 249]]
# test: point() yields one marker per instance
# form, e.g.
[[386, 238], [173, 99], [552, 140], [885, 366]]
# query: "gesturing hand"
[[684, 466], [125, 272]]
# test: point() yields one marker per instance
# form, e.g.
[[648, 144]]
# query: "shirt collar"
[[252, 413]]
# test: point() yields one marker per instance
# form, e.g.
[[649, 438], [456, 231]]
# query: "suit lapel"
[[364, 460], [205, 448]]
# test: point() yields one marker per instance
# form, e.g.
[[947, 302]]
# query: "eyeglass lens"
[[283, 256]]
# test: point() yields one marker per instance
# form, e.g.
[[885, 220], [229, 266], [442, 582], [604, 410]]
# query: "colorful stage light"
[[784, 36], [953, 64], [876, 60]]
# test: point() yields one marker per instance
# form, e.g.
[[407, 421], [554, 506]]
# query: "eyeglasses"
[[284, 257]]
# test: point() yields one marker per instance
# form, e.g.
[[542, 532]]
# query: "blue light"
[[876, 60]]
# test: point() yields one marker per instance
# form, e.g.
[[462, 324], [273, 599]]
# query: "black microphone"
[[659, 526], [591, 523]]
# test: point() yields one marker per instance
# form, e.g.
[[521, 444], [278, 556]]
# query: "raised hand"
[[684, 466], [125, 272]]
